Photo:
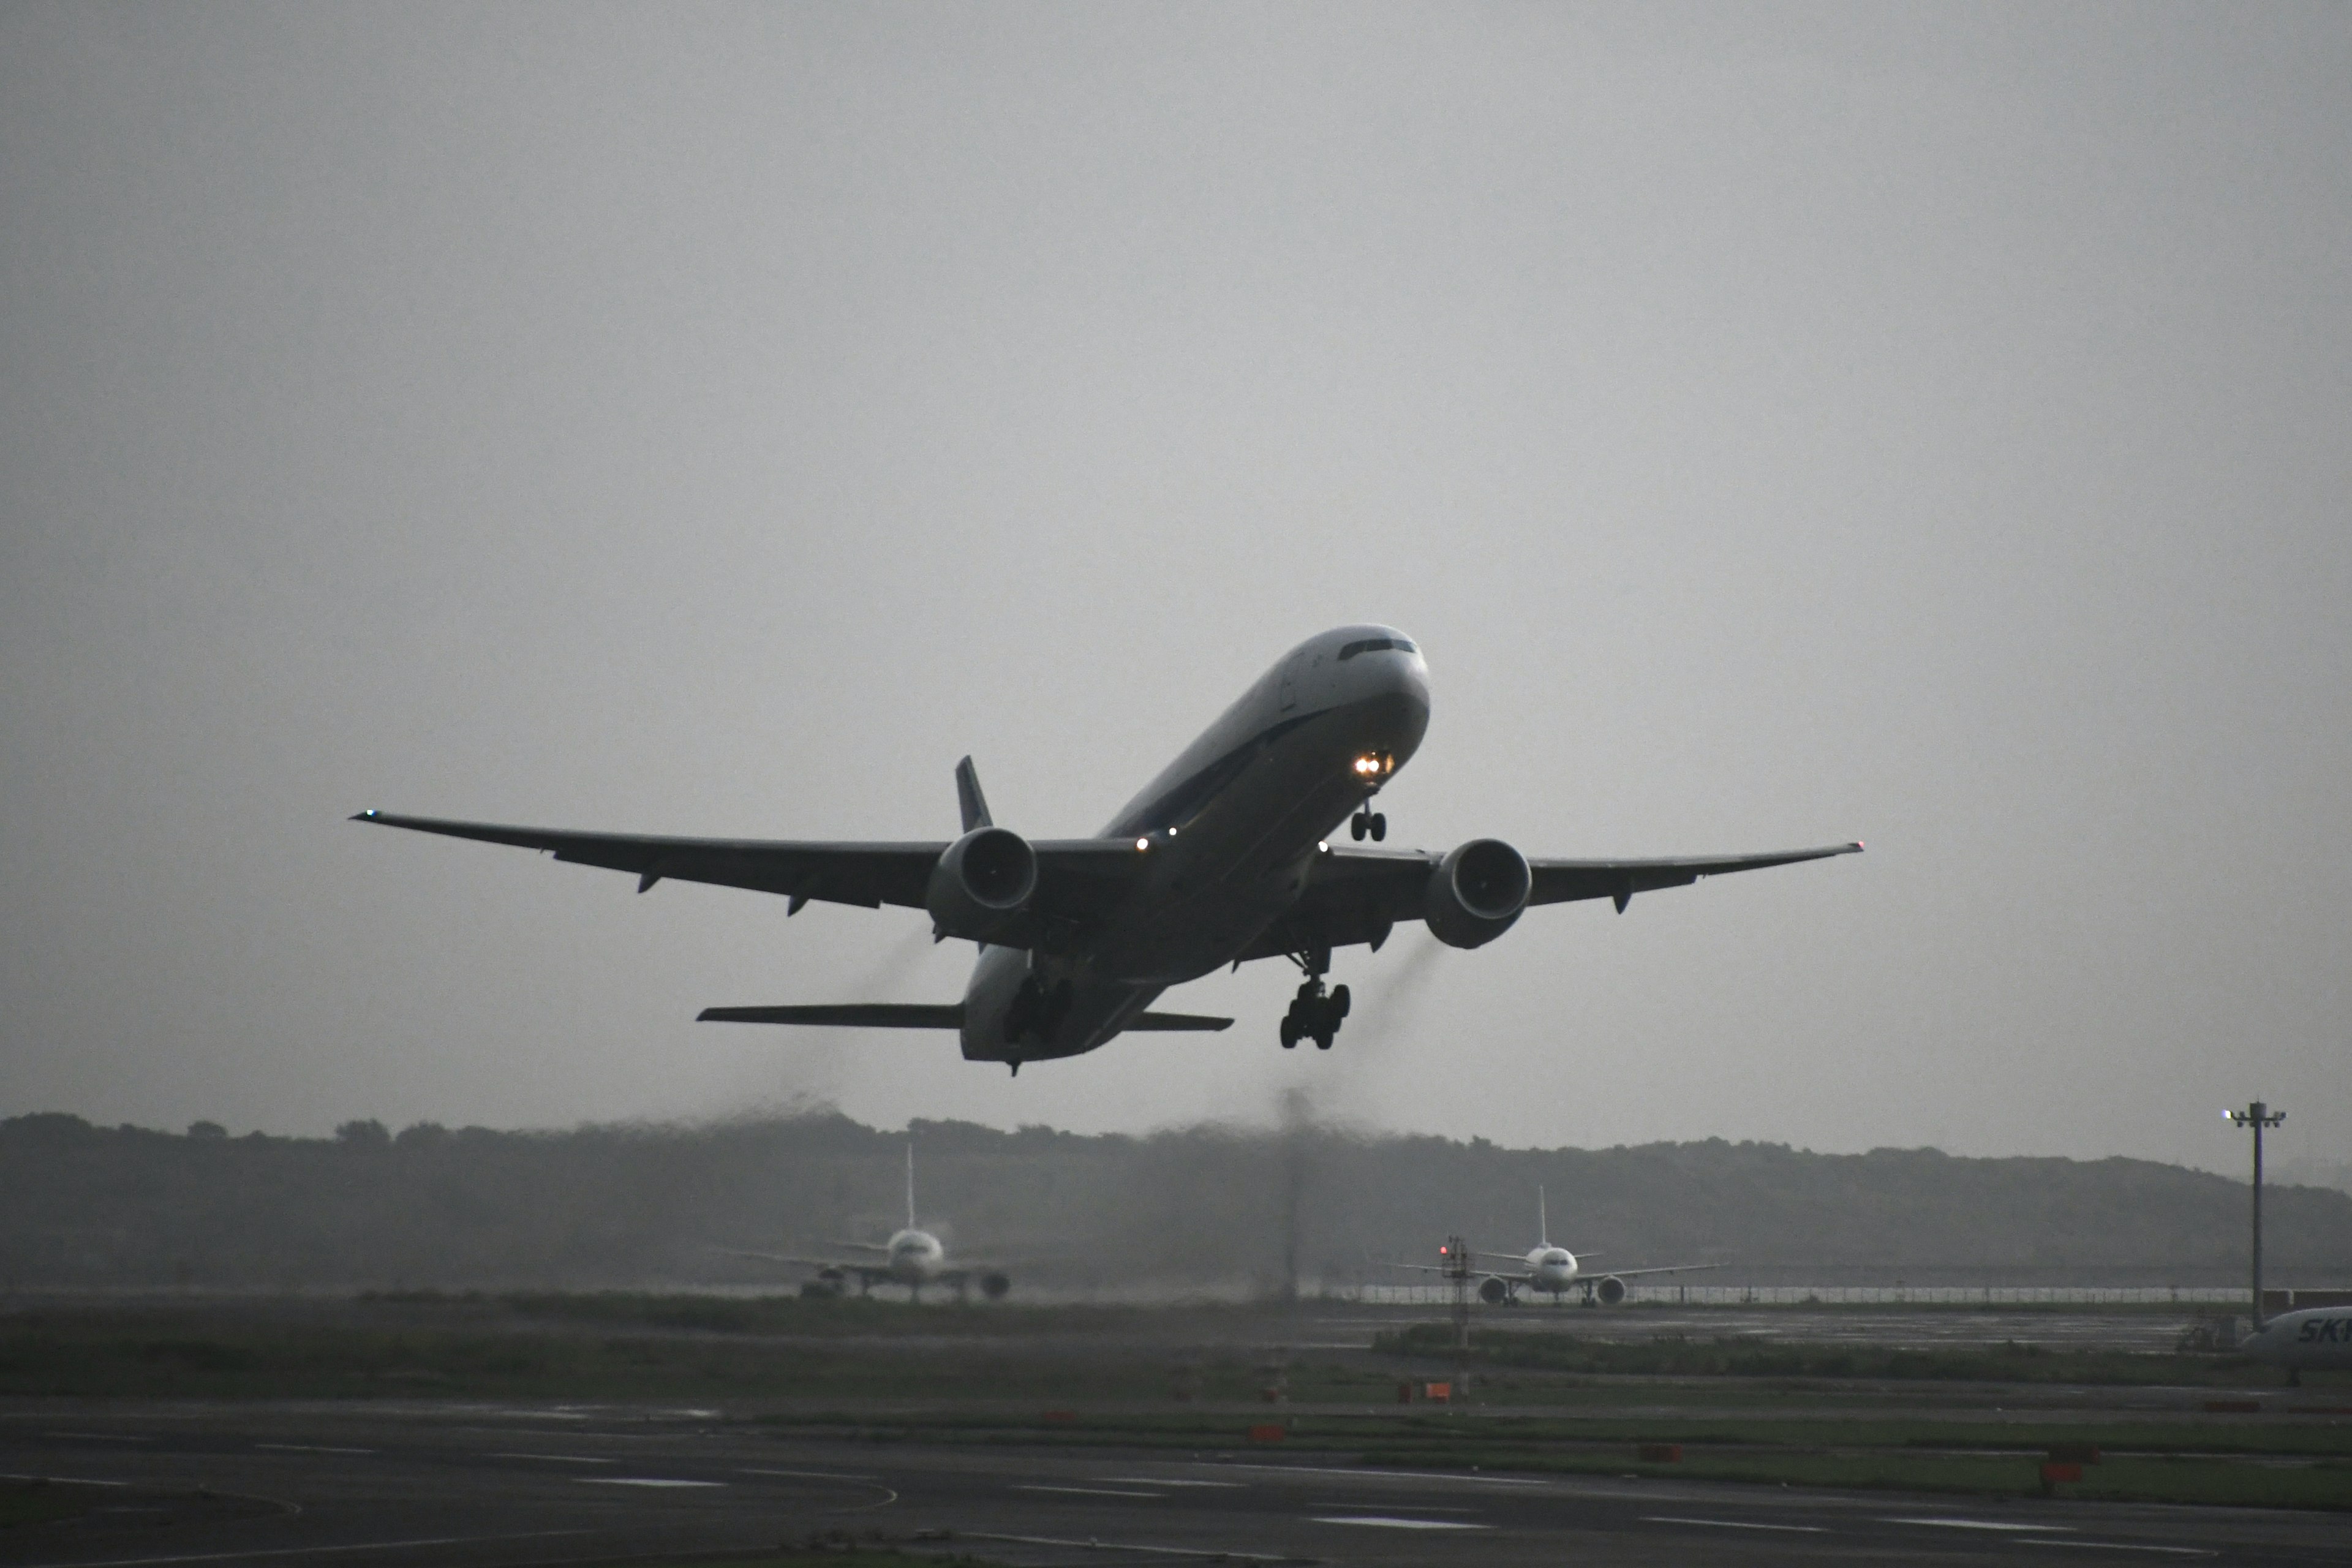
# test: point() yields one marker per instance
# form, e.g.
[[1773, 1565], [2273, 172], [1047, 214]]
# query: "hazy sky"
[[1777, 426]]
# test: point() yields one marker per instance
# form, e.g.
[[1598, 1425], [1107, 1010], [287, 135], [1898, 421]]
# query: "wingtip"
[[367, 816]]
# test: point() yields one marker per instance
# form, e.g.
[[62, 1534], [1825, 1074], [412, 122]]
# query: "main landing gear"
[[1368, 824], [1314, 1014], [1037, 1009]]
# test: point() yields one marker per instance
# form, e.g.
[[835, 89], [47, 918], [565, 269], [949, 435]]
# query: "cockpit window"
[[1375, 645]]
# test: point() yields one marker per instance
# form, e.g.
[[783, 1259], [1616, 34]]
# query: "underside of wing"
[[1564, 881], [1358, 895], [1078, 879], [845, 1015], [1150, 1022]]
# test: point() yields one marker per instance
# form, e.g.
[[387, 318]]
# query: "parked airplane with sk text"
[[2314, 1339], [1225, 857], [1554, 1271], [913, 1257]]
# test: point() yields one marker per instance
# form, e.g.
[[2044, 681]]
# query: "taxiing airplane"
[[913, 1257], [1554, 1271], [1225, 857], [2314, 1339]]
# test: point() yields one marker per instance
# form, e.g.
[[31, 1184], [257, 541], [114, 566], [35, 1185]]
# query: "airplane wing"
[[1522, 1276], [1078, 877], [919, 1015], [859, 1269], [1356, 895], [1668, 1268]]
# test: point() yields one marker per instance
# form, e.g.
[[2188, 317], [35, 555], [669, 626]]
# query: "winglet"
[[968, 795]]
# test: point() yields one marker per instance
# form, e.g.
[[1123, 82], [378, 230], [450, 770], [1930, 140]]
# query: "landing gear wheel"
[[1357, 825], [1378, 826], [1290, 1034], [1338, 1005]]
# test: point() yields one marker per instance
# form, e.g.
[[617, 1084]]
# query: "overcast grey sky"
[[1778, 426]]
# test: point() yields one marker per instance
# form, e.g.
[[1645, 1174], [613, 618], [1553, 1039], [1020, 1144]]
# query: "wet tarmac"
[[457, 1485]]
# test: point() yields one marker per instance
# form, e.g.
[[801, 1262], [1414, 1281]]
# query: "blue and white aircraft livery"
[[2311, 1340], [1225, 857]]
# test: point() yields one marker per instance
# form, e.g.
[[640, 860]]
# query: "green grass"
[[1675, 1356]]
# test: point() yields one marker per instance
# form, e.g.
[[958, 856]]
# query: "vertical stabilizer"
[[910, 1182], [968, 795], [1543, 1229]]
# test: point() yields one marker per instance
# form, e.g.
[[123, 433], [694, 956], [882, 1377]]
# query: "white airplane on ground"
[[2313, 1340], [1554, 1271], [1225, 857], [913, 1257]]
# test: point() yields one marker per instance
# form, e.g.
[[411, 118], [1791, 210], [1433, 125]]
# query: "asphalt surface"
[[450, 1484]]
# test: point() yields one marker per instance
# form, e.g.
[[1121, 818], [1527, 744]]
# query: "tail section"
[[910, 1182], [1543, 1229], [968, 795]]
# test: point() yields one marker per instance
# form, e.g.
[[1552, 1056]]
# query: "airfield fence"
[[1380, 1294]]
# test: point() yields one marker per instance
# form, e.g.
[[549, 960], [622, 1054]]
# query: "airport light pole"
[[2257, 1116]]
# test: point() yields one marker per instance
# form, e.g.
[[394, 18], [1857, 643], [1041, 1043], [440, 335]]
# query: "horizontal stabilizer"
[[845, 1015]]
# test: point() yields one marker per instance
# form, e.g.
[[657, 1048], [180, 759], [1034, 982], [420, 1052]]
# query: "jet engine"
[[1492, 1292], [994, 1285], [1610, 1290], [982, 883], [1476, 892]]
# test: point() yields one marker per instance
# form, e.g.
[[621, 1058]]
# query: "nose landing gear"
[[1315, 1015], [1368, 824]]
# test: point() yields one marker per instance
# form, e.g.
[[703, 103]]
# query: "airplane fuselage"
[[2309, 1339], [1229, 831], [916, 1258], [1551, 1269]]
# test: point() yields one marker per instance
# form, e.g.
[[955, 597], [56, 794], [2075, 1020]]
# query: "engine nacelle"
[[1476, 892], [994, 1285], [982, 883], [1609, 1291], [1492, 1292]]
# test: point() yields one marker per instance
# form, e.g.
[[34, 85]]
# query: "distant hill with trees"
[[650, 1205]]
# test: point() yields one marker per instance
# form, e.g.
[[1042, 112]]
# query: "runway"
[[454, 1484]]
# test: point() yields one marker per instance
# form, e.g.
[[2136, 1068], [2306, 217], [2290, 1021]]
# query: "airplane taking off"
[[1554, 1271], [1225, 857], [913, 1257]]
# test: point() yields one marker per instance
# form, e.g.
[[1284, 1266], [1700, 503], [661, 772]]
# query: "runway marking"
[[1159, 1482], [1088, 1491], [641, 1482], [100, 1437], [810, 1475], [1735, 1524], [311, 1448], [1091, 1544], [314, 1551], [555, 1459], [1387, 1522], [1393, 1475], [2122, 1546], [1977, 1524]]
